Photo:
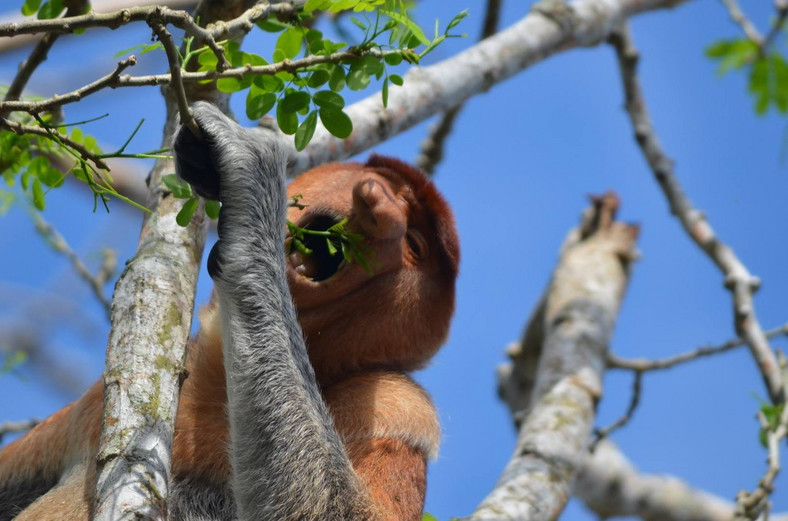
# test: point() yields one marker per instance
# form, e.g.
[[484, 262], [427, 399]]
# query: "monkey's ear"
[[193, 163]]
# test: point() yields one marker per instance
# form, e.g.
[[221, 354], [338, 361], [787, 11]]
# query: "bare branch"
[[581, 305], [431, 150], [11, 427], [611, 486], [739, 17], [174, 60], [9, 44], [777, 25], [643, 364], [738, 279], [634, 401], [59, 244]]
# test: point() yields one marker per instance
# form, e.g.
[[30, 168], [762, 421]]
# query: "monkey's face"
[[406, 296]]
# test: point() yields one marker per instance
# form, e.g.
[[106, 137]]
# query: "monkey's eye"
[[416, 244]]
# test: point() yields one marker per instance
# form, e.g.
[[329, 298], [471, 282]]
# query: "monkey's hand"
[[244, 169]]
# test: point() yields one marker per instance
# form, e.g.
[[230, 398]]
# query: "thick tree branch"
[[151, 319], [738, 279], [579, 312], [554, 27], [610, 486]]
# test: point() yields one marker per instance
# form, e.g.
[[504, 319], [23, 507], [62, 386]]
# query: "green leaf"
[[396, 79], [259, 102], [295, 101], [180, 189], [269, 83], [38, 195], [229, 85], [456, 20], [732, 54], [305, 131], [287, 121], [272, 25], [358, 23], [328, 99], [184, 217], [289, 42], [50, 9], [337, 80], [313, 35], [30, 7], [393, 59], [52, 177], [759, 85], [336, 122], [318, 78], [780, 86], [410, 24], [357, 79], [212, 209], [313, 5], [428, 517], [385, 92]]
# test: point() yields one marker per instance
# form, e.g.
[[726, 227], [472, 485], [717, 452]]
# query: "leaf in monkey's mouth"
[[316, 257]]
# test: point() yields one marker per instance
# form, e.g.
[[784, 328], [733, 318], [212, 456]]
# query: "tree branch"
[[579, 311], [9, 44], [643, 364], [611, 486], [431, 150], [59, 244], [11, 427], [431, 90], [738, 279]]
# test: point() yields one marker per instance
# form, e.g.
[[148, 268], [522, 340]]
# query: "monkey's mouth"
[[314, 256]]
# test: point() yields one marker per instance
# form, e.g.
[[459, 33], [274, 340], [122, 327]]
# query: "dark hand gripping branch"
[[287, 460]]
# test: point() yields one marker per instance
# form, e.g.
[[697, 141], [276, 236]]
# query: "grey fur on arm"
[[288, 462]]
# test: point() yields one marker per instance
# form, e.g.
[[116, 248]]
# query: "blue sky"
[[517, 169]]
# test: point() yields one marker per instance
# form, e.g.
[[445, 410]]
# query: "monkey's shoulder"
[[384, 405]]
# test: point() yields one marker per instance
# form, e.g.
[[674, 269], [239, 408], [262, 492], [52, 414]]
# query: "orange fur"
[[363, 333]]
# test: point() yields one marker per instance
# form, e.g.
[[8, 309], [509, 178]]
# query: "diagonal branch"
[[437, 88], [738, 279]]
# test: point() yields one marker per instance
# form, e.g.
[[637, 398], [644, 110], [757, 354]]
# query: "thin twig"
[[738, 279], [431, 149], [39, 54], [174, 61], [180, 19], [739, 17], [71, 97], [777, 25], [10, 427], [634, 401], [750, 505], [59, 244], [114, 80], [644, 364]]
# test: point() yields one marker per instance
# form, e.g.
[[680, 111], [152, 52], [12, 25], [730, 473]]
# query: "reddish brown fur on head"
[[398, 316]]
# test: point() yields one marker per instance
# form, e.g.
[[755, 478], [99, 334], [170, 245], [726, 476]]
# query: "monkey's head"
[[395, 314]]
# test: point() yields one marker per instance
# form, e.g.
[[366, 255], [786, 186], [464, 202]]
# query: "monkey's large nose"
[[377, 211]]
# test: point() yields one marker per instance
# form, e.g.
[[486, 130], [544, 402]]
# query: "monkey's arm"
[[287, 459]]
